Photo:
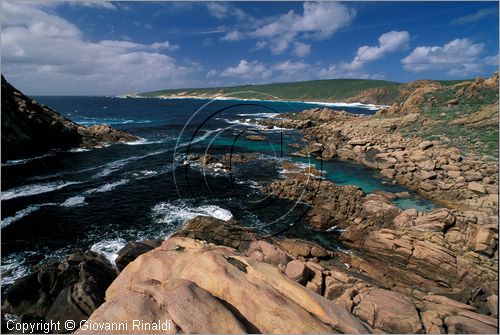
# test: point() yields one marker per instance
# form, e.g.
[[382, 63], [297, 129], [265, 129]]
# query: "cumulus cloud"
[[477, 16], [211, 73], [248, 70], [287, 32], [388, 42], [40, 47], [491, 60], [96, 4], [301, 49], [224, 10], [460, 57], [232, 36], [259, 72], [288, 66], [341, 71]]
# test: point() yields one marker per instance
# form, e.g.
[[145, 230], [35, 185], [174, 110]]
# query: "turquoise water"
[[341, 172], [344, 172]]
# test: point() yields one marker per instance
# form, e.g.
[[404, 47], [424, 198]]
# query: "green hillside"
[[324, 90]]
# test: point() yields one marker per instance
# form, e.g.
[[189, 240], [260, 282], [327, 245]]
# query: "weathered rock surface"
[[60, 291], [269, 286], [132, 250], [189, 281], [29, 128], [333, 204]]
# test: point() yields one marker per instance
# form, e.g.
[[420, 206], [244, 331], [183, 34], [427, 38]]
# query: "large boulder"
[[132, 250], [60, 291], [203, 280], [388, 311]]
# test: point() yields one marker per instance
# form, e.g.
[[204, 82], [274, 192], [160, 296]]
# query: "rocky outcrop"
[[431, 168], [216, 276], [132, 250], [188, 282], [444, 252], [277, 285], [29, 128], [60, 291], [333, 205]]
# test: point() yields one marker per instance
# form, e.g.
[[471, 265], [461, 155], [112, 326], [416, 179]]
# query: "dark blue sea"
[[103, 197]]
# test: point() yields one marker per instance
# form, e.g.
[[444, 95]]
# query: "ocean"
[[101, 198]]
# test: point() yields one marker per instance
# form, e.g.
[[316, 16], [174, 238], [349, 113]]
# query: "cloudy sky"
[[101, 48]]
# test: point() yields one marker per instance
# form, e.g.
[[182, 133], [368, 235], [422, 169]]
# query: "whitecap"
[[144, 174], [179, 212], [25, 160], [262, 115], [118, 164], [79, 150], [144, 141], [139, 141], [22, 213], [201, 138], [74, 201], [90, 121], [246, 123], [107, 187], [371, 107], [109, 248], [13, 267], [34, 189]]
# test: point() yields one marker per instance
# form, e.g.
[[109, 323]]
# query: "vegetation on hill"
[[463, 114], [314, 90]]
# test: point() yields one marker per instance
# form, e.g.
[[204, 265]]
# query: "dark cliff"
[[30, 128]]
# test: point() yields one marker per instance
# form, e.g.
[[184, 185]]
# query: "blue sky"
[[101, 48]]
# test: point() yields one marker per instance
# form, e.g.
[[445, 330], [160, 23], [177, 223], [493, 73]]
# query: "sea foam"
[[34, 189], [109, 248], [174, 213]]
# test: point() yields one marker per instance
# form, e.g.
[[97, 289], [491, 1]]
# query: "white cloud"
[[341, 71], [301, 49], [259, 72], [388, 42], [212, 73], [224, 10], [248, 70], [491, 60], [96, 4], [318, 20], [477, 16], [45, 54], [288, 66], [232, 36], [460, 57]]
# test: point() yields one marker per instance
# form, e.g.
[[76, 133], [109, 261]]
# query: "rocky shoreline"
[[437, 171], [398, 271], [398, 279], [406, 272]]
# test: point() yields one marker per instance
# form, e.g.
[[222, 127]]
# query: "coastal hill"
[[315, 90], [330, 90], [29, 128]]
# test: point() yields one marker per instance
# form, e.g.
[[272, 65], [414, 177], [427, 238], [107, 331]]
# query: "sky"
[[107, 48]]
